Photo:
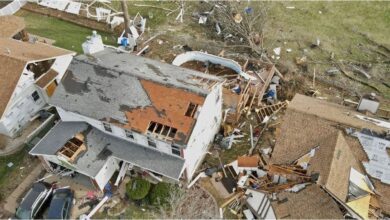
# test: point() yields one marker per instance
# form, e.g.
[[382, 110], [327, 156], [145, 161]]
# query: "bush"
[[137, 188], [160, 193]]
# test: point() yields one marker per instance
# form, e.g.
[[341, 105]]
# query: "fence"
[[12, 7]]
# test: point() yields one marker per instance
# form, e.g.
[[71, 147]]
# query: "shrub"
[[137, 188], [160, 193]]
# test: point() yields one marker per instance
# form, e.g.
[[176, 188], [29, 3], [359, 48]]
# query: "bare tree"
[[193, 203], [243, 21], [126, 16]]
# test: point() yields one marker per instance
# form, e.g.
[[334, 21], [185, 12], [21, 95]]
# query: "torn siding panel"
[[378, 165]]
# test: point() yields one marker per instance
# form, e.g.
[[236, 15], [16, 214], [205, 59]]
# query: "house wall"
[[106, 172], [61, 65], [207, 125], [22, 107], [117, 131]]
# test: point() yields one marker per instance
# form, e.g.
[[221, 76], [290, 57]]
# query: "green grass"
[[16, 159], [67, 35]]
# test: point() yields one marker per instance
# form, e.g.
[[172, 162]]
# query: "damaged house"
[[129, 114], [315, 136], [30, 72]]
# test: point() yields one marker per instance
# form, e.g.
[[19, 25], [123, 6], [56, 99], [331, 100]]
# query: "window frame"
[[129, 134], [151, 142], [107, 127], [176, 150], [34, 97]]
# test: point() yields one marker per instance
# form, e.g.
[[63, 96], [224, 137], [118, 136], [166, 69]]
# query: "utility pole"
[[126, 17]]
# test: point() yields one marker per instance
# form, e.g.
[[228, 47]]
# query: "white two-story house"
[[29, 75], [126, 113]]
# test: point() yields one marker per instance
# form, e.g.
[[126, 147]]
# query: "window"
[[107, 127], [191, 110], [161, 131], [129, 134], [35, 96], [176, 150], [151, 143]]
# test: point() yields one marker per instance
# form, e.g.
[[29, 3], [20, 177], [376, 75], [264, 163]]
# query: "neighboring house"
[[131, 113], [312, 136], [29, 75]]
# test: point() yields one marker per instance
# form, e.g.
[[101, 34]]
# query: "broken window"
[[35, 96], [161, 131], [129, 134], [151, 143], [191, 110], [176, 150], [107, 127]]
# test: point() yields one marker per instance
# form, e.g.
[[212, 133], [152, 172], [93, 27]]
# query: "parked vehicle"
[[61, 204], [33, 201]]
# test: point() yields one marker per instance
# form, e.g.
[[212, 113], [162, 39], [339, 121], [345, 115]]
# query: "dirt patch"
[[3, 142]]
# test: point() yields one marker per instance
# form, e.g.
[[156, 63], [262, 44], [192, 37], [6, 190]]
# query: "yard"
[[23, 164], [67, 35]]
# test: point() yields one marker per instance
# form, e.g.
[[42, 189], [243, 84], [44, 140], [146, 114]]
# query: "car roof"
[[56, 204], [32, 195], [55, 208]]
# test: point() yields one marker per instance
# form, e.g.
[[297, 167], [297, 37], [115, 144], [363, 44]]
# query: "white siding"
[[21, 107], [207, 125], [61, 65], [106, 172], [140, 139]]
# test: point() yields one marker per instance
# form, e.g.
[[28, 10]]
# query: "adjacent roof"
[[11, 25], [330, 111], [306, 121], [26, 51], [311, 202], [131, 91], [14, 56], [11, 69], [101, 146], [384, 191], [46, 78], [333, 161]]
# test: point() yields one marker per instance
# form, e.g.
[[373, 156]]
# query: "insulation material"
[[379, 160], [361, 206], [74, 8]]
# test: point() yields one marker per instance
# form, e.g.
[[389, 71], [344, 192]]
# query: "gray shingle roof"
[[107, 84], [101, 146]]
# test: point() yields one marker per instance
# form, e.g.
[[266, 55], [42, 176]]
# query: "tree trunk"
[[126, 16]]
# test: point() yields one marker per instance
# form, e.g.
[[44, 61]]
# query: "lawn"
[[67, 35]]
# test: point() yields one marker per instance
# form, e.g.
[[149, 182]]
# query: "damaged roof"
[[101, 146], [333, 162], [312, 202], [14, 56], [302, 130], [132, 91], [330, 111], [11, 25]]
